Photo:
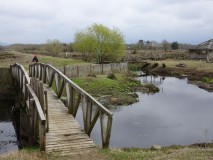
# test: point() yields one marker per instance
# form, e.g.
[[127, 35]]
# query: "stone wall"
[[81, 71]]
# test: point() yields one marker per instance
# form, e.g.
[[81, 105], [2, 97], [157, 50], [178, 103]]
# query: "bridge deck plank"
[[65, 135]]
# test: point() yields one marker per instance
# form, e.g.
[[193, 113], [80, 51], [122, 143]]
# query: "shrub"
[[154, 65], [111, 76], [133, 67], [205, 79], [163, 65]]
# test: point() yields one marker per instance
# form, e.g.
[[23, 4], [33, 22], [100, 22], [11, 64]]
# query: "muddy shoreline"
[[194, 76]]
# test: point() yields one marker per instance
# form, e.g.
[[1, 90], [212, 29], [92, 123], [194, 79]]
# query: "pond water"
[[180, 114], [8, 139]]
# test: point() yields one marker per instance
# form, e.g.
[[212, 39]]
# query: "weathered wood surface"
[[75, 97], [65, 135], [37, 124]]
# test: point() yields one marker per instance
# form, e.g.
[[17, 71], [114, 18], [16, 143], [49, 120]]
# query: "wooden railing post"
[[46, 111], [31, 127], [42, 135], [105, 132], [88, 116]]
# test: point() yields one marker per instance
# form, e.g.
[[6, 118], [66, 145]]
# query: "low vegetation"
[[115, 90], [206, 79], [196, 152], [26, 59]]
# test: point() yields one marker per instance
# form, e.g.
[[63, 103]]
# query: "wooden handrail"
[[38, 125], [47, 73], [37, 104]]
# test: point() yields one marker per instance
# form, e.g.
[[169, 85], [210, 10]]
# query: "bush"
[[163, 65], [111, 76], [205, 79], [133, 67], [154, 65]]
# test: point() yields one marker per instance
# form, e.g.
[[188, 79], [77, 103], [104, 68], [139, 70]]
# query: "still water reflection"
[[8, 139], [180, 114]]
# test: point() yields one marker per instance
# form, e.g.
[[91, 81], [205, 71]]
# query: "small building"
[[203, 51]]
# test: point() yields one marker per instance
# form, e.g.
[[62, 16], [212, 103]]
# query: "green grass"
[[167, 153], [190, 64], [171, 153], [101, 85], [206, 79], [26, 59], [59, 62]]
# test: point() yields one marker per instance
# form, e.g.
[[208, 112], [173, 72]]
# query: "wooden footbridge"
[[52, 122]]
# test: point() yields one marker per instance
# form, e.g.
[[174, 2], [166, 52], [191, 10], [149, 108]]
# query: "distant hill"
[[3, 44]]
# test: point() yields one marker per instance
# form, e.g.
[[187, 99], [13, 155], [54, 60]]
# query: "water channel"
[[180, 114], [8, 139]]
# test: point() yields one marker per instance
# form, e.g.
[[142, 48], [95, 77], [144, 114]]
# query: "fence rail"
[[76, 97], [37, 117], [85, 70]]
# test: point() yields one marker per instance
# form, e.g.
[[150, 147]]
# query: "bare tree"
[[165, 45]]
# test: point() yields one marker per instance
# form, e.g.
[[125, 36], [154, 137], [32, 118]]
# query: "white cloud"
[[35, 21]]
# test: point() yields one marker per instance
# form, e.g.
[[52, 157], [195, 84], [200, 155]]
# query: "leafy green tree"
[[100, 43], [54, 47], [165, 45], [174, 45]]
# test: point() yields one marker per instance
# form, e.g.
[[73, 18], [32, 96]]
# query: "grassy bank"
[[118, 91], [189, 64], [199, 73], [166, 153], [26, 59]]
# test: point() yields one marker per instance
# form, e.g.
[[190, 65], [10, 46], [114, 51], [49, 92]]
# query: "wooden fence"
[[33, 106], [80, 71], [75, 96]]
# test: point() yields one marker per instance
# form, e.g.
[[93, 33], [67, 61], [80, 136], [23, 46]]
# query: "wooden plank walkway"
[[65, 136]]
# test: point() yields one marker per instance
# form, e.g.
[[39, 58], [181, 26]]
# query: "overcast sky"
[[35, 21]]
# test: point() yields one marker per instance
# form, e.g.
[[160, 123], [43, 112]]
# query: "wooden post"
[[93, 121], [51, 79], [41, 94], [70, 97], [75, 108], [84, 111], [88, 115], [61, 87], [102, 69], [35, 125], [31, 127], [105, 132], [44, 74], [42, 135], [77, 71], [46, 111]]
